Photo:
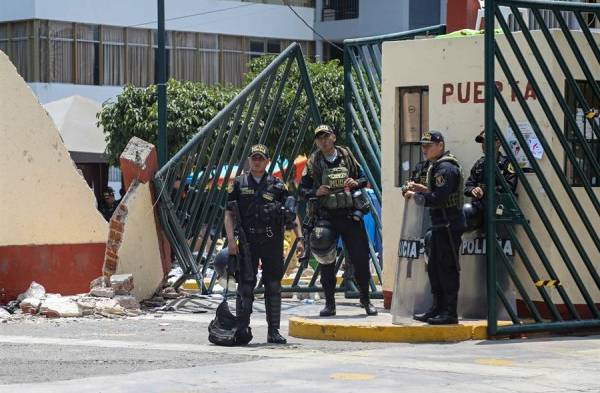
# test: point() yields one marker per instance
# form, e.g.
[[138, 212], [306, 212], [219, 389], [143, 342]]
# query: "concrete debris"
[[154, 302], [106, 292], [87, 305], [169, 293], [4, 314], [122, 283], [30, 305], [57, 307], [100, 282], [128, 302], [35, 290]]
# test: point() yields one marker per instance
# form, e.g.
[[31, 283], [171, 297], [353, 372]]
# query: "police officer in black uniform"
[[331, 174], [475, 184], [109, 204], [444, 198], [260, 198]]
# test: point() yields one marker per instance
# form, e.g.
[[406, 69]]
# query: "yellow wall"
[[43, 200], [434, 62]]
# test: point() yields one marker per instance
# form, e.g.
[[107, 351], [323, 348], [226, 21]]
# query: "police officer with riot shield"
[[443, 195], [475, 184], [263, 204], [332, 183]]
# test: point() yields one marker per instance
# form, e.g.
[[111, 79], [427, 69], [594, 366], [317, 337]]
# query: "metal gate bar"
[[494, 56]]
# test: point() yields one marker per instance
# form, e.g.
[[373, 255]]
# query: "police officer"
[[330, 175], [109, 204], [475, 184], [260, 198], [444, 198]]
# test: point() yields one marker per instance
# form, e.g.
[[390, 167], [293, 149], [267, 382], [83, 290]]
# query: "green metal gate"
[[192, 215], [554, 222], [362, 97], [362, 110]]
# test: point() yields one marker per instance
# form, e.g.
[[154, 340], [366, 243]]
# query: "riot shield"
[[412, 292], [472, 298]]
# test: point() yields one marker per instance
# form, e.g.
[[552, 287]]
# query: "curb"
[[323, 329]]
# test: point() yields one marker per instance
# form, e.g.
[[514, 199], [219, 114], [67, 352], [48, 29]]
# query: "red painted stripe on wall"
[[61, 268]]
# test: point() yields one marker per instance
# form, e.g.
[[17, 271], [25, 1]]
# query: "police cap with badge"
[[323, 129], [431, 137], [259, 150]]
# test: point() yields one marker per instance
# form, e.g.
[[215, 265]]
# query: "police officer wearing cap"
[[475, 184], [260, 198], [109, 204], [443, 195], [331, 175]]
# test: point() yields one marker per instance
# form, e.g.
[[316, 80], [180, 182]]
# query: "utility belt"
[[262, 231], [337, 200]]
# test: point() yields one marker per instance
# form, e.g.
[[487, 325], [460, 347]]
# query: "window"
[[235, 60], [273, 46], [60, 52], [140, 57], [339, 9], [87, 55], [413, 109], [110, 55], [586, 129], [113, 43]]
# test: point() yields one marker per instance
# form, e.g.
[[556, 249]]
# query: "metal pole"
[[490, 163], [162, 87]]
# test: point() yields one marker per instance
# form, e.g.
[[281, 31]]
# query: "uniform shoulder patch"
[[510, 168], [440, 180]]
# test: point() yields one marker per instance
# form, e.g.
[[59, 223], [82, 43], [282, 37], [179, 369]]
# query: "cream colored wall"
[[139, 253], [434, 62], [43, 200]]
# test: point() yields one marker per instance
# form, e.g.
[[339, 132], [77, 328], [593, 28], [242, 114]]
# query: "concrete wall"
[[139, 253], [50, 225], [248, 19], [462, 62]]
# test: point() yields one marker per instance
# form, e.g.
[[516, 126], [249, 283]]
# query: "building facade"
[[337, 20], [92, 49]]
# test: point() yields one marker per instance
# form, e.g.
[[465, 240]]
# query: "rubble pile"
[[109, 297]]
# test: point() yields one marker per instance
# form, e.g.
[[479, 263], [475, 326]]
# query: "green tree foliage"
[[327, 81], [191, 106]]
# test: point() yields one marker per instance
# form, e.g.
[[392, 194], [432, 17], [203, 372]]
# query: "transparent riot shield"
[[412, 292], [472, 297]]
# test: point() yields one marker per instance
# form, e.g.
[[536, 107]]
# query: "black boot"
[[329, 309], [243, 304], [273, 311], [274, 337], [448, 316], [367, 305], [434, 311]]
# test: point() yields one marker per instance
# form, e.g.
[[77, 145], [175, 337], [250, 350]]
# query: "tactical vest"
[[335, 178], [455, 200], [260, 207]]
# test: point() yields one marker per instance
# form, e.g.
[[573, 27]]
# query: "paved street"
[[170, 352]]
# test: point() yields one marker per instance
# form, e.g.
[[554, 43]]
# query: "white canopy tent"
[[75, 118]]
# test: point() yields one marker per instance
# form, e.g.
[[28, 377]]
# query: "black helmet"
[[473, 217], [323, 241], [224, 263]]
